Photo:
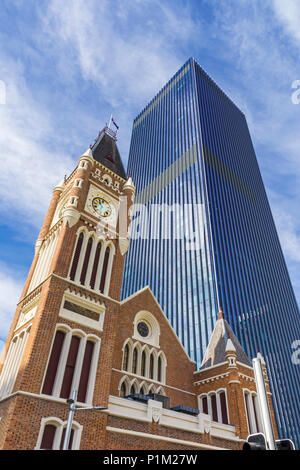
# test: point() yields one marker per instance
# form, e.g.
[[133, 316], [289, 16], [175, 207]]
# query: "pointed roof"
[[106, 152], [88, 153], [222, 339]]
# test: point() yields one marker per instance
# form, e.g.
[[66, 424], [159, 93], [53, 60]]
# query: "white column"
[[16, 363], [209, 407], [51, 253], [251, 417], [37, 268], [43, 262], [263, 403], [57, 437], [219, 410], [7, 366], [258, 414], [93, 372]]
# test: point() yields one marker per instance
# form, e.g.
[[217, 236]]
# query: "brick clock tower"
[[71, 332], [78, 263]]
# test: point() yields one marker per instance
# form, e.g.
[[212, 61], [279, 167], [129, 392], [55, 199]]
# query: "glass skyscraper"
[[191, 149]]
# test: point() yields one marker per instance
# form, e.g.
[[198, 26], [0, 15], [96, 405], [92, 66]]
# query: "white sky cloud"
[[11, 286], [29, 168], [126, 51], [288, 12], [125, 54]]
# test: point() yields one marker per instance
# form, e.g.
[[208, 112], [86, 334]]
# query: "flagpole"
[[109, 124]]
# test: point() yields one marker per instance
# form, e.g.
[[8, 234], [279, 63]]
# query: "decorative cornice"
[[212, 379]]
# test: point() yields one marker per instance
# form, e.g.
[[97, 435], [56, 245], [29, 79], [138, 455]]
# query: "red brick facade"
[[126, 424]]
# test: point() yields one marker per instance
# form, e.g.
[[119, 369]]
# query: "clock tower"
[[75, 277]]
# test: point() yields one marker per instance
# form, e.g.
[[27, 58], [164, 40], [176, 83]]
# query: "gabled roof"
[[106, 152], [220, 338]]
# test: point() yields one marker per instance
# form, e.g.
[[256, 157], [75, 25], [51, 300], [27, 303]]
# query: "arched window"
[[132, 389], [223, 407], [76, 257], [205, 405], [104, 270], [48, 437], [70, 368], [134, 361], [123, 390], [85, 371], [95, 265], [52, 435], [151, 368], [143, 364], [159, 369], [214, 408], [125, 357], [86, 261], [53, 362], [72, 364]]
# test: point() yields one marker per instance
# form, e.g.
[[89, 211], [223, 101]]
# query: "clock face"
[[101, 206]]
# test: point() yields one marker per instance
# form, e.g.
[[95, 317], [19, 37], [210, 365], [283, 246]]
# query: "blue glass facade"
[[191, 146]]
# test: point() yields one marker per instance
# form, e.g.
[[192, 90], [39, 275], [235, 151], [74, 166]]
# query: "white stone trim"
[[28, 311], [84, 302], [78, 183], [212, 379], [60, 425], [12, 361], [154, 328], [200, 424], [162, 438], [155, 382], [44, 260]]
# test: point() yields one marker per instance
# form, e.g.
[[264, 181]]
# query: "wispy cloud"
[[288, 12], [10, 290], [126, 49], [30, 162]]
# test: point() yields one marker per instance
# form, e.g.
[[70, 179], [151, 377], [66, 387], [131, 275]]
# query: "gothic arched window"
[[86, 261], [125, 357], [134, 361], [76, 257], [143, 364], [104, 270]]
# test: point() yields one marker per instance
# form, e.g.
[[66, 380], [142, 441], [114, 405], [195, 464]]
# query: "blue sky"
[[68, 64]]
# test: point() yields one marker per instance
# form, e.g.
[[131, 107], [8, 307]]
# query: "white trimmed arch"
[[153, 326], [60, 426]]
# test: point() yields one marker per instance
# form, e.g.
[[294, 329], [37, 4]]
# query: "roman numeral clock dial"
[[101, 207]]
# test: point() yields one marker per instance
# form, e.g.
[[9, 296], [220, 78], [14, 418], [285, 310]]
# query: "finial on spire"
[[221, 315]]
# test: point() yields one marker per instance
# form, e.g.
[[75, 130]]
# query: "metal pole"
[[263, 402], [71, 402]]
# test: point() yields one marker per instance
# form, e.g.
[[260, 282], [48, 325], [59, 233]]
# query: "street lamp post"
[[72, 409]]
